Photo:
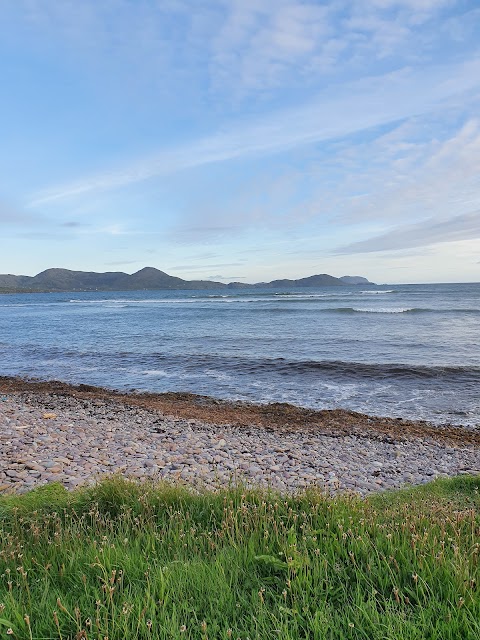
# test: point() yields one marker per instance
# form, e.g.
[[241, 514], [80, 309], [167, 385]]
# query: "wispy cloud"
[[262, 44], [425, 233], [418, 169], [245, 46], [357, 106], [262, 41]]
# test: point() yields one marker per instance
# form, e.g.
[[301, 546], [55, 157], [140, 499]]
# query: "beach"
[[75, 435]]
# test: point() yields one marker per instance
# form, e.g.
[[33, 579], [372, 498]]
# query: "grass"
[[123, 561]]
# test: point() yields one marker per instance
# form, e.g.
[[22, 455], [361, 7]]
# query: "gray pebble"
[[92, 437]]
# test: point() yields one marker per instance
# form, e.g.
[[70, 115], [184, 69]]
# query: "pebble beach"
[[50, 432]]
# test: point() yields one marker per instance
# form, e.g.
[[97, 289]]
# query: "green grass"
[[123, 561]]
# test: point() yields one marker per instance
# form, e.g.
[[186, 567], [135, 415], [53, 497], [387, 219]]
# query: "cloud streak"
[[422, 234], [343, 111]]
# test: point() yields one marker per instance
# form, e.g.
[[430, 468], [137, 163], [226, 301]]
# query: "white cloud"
[[412, 5], [247, 46], [414, 179], [263, 41], [352, 108], [263, 44], [415, 8], [422, 234]]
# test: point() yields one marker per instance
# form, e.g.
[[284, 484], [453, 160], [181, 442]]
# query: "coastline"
[[74, 434]]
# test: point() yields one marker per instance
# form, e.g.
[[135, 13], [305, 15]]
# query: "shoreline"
[[280, 416], [74, 434]]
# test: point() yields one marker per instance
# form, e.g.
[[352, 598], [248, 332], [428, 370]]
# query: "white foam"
[[148, 301], [376, 292], [217, 375], [385, 310], [221, 299]]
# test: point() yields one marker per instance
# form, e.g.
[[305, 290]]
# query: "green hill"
[[147, 278]]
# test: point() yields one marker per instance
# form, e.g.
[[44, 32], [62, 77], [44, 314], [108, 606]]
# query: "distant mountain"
[[355, 280], [322, 280], [148, 278]]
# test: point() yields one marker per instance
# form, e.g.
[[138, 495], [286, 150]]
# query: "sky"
[[241, 139]]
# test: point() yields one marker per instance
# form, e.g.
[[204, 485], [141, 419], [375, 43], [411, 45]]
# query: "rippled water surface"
[[410, 350]]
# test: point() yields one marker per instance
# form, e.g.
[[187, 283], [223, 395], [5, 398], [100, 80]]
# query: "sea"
[[410, 351]]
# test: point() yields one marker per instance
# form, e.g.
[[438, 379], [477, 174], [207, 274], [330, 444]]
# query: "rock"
[[92, 437], [48, 464], [33, 466]]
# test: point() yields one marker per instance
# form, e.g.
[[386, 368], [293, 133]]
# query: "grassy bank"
[[126, 561]]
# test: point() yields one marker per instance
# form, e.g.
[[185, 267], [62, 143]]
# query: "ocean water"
[[408, 351]]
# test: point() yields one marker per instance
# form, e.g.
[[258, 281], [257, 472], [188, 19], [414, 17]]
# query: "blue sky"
[[241, 139]]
